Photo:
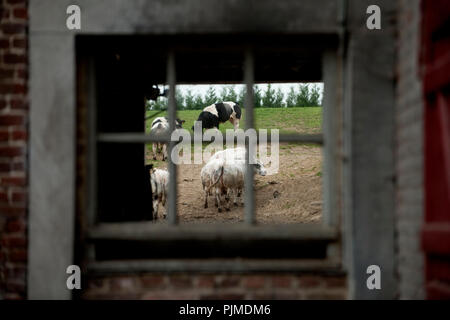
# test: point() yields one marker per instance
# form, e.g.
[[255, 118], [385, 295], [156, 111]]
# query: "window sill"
[[235, 265], [146, 240]]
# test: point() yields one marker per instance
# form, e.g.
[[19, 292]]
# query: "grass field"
[[287, 120], [297, 183]]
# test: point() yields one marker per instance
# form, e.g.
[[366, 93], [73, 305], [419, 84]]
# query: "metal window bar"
[[133, 137], [172, 198], [249, 75]]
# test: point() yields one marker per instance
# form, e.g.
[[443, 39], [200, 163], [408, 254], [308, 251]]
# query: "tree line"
[[302, 95]]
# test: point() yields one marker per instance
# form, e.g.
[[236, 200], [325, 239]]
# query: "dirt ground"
[[293, 195]]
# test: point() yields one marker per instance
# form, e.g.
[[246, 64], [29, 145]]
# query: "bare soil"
[[293, 195]]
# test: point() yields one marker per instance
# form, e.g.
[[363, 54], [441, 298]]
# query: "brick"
[[19, 135], [254, 282], [9, 120], [335, 282], [22, 74], [226, 296], [282, 281], [17, 271], [229, 281], [154, 296], [4, 135], [127, 284], [5, 13], [262, 296], [13, 241], [181, 281], [19, 196], [14, 58], [97, 285], [207, 281], [3, 196], [10, 152], [20, 13], [6, 74], [18, 166], [18, 255], [326, 296], [13, 89], [16, 285], [13, 181], [5, 167], [13, 211], [4, 43], [152, 281], [15, 2], [15, 225], [309, 281], [285, 296], [2, 103], [13, 296], [13, 28]]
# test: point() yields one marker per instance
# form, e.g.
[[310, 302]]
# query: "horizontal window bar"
[[131, 137], [148, 138], [237, 265], [148, 231]]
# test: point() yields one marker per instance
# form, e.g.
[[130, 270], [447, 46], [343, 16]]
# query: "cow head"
[[179, 123]]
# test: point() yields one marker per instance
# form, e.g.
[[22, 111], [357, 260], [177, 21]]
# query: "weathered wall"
[[409, 153], [14, 184], [13, 148], [369, 134], [216, 286]]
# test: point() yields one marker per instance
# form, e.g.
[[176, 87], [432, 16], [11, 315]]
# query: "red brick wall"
[[13, 148], [216, 286]]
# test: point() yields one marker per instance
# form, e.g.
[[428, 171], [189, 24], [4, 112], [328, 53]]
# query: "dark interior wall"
[[122, 192]]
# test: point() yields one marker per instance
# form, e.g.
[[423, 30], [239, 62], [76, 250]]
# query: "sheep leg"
[[164, 203], [236, 196], [206, 197], [155, 209], [155, 150], [219, 208], [164, 151]]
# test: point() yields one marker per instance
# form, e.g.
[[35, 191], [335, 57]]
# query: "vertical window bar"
[[172, 197], [92, 145], [249, 80]]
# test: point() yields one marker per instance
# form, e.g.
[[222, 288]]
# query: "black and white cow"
[[160, 126], [218, 113]]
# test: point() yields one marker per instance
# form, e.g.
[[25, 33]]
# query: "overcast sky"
[[201, 89]]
